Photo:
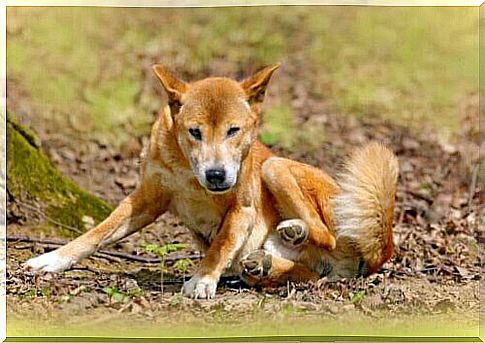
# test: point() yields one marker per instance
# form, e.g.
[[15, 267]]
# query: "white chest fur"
[[193, 207], [197, 213]]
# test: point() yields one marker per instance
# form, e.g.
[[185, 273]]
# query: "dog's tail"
[[363, 210]]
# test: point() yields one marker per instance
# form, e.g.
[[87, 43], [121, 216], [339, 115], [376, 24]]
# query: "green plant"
[[46, 291], [176, 299], [357, 297], [32, 292], [162, 252], [114, 294], [118, 296], [182, 265]]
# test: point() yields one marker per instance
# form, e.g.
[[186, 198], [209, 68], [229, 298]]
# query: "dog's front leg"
[[137, 210], [228, 241]]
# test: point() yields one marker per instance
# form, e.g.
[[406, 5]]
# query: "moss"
[[26, 133], [30, 174]]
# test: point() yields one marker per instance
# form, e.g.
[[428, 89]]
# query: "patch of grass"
[[408, 65], [357, 297], [34, 292], [289, 309], [65, 61], [111, 104], [234, 35], [89, 66], [280, 127], [176, 299], [46, 291], [55, 53], [118, 296]]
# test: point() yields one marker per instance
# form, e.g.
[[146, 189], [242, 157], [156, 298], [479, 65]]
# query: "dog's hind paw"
[[200, 287], [51, 262], [293, 232], [256, 266]]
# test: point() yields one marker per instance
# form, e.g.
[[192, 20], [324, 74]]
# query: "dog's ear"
[[174, 87], [255, 85]]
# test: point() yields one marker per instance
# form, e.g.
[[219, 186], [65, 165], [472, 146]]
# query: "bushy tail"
[[364, 209]]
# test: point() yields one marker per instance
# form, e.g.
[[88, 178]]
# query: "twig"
[[473, 184], [49, 219], [52, 244], [403, 210], [421, 196]]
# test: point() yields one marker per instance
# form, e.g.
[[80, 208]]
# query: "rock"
[[126, 182]]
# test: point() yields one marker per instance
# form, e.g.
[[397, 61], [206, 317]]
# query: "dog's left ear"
[[174, 87], [255, 85]]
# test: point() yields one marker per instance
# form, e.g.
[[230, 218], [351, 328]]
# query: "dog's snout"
[[215, 176]]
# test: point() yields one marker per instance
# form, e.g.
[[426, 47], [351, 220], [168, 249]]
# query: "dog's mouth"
[[218, 189]]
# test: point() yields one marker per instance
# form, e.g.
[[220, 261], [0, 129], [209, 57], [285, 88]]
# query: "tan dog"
[[205, 165]]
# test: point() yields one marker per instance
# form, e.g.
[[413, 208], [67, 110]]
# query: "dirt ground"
[[435, 269], [434, 273]]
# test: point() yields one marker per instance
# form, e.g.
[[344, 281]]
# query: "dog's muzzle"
[[216, 180]]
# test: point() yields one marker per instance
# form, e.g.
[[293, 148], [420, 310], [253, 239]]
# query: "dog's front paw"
[[293, 232], [50, 262], [200, 286]]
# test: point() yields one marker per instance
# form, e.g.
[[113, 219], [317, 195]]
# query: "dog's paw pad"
[[293, 232], [257, 264]]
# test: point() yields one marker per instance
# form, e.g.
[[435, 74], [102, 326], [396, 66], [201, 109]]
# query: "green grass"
[[90, 66], [411, 65], [280, 127]]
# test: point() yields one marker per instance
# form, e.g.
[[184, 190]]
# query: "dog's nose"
[[215, 176]]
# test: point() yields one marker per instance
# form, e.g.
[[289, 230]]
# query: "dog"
[[267, 218]]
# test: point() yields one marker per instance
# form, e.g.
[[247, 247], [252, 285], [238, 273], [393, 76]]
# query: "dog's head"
[[215, 121]]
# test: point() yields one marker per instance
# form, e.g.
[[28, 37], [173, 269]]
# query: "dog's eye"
[[232, 131], [196, 134]]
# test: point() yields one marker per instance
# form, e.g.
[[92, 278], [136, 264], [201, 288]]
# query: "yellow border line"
[[3, 158], [214, 3], [156, 3]]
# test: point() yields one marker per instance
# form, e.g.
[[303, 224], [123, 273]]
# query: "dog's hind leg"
[[301, 191], [139, 209], [260, 267]]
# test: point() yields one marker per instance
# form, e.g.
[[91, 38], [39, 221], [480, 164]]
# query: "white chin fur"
[[218, 192]]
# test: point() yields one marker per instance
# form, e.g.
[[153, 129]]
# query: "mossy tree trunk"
[[32, 178]]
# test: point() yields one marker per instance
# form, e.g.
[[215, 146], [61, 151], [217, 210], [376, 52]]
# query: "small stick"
[[420, 196], [473, 184], [403, 210], [49, 219], [52, 244]]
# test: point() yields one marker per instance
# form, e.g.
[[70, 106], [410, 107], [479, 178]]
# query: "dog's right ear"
[[174, 87]]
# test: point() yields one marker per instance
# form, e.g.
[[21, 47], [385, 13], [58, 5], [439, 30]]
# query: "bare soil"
[[435, 270]]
